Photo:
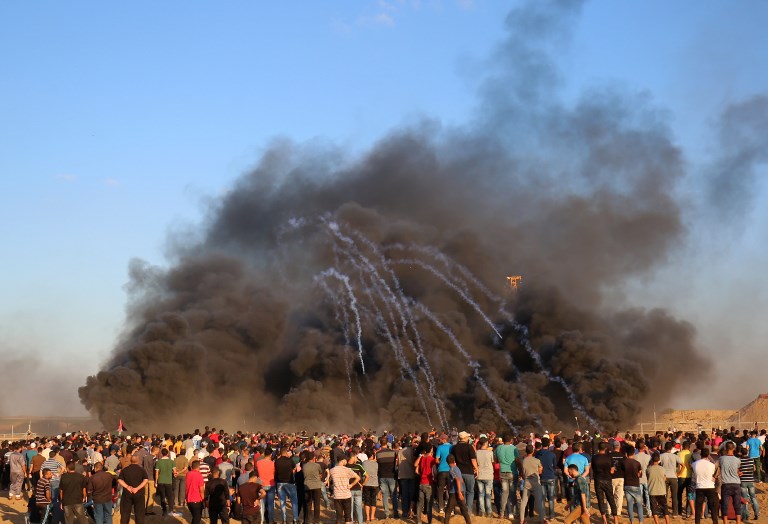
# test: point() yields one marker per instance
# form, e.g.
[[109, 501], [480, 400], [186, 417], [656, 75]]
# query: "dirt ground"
[[13, 512]]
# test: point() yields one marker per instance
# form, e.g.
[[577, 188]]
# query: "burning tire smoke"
[[334, 293]]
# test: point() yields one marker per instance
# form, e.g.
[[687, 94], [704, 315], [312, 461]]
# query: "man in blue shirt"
[[456, 492], [548, 460], [443, 470], [755, 453]]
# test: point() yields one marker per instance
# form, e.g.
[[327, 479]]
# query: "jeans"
[[407, 491], [388, 495], [634, 498], [287, 490], [484, 488], [469, 491], [682, 502], [646, 497], [559, 483], [357, 505], [102, 512], [268, 505], [508, 482], [179, 491], [324, 493], [731, 492], [548, 490], [748, 493], [425, 502], [532, 488]]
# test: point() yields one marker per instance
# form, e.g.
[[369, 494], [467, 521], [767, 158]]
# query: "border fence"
[[15, 428], [697, 426]]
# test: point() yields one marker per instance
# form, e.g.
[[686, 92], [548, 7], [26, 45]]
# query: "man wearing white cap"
[[466, 461]]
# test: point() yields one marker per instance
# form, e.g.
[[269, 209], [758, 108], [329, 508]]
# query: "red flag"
[[120, 427]]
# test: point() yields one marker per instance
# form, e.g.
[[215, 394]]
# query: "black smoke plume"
[[576, 198]]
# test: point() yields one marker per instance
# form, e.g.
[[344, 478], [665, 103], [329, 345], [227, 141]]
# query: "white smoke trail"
[[332, 272]]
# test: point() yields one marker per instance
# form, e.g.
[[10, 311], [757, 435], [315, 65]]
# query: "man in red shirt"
[[424, 473], [195, 492]]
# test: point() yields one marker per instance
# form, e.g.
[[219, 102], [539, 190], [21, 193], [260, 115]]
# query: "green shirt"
[[580, 486], [506, 454], [165, 471]]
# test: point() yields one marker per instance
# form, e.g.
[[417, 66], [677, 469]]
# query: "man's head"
[[71, 466], [134, 459], [529, 450], [656, 457], [47, 474], [602, 448], [451, 460], [573, 471], [463, 436], [195, 464]]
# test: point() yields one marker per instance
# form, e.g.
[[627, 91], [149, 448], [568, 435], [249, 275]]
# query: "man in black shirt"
[[286, 484], [466, 461], [217, 495], [387, 460], [133, 479], [617, 476], [602, 467], [100, 491], [72, 493]]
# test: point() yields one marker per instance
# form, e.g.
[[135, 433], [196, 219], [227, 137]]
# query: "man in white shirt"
[[704, 473]]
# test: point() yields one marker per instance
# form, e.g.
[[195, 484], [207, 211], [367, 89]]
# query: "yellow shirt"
[[687, 460]]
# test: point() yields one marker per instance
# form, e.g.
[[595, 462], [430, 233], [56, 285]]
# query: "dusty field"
[[13, 512]]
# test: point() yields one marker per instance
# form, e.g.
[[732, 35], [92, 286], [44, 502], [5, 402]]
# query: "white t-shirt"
[[703, 474]]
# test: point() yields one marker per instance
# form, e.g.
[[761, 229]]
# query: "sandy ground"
[[12, 511]]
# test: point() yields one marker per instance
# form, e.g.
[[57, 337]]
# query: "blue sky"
[[120, 121]]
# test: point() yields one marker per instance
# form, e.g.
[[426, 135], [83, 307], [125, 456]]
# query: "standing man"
[[508, 458], [657, 489], [180, 467], [602, 473], [133, 478], [443, 471], [632, 473], [18, 469], [356, 491], [704, 474], [684, 477], [217, 495], [387, 460], [672, 467], [730, 491], [532, 470], [466, 461], [755, 446], [100, 491], [73, 493], [163, 476], [286, 483], [195, 492], [251, 494]]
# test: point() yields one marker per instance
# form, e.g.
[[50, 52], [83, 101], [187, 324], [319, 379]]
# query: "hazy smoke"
[[575, 198]]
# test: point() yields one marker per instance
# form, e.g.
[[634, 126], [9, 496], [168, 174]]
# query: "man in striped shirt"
[[747, 471], [54, 466]]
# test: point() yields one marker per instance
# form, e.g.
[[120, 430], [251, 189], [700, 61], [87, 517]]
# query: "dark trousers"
[[672, 487], [683, 484], [730, 492], [343, 510], [196, 509], [312, 505], [454, 501], [165, 493], [218, 513], [708, 496], [443, 479], [604, 492], [132, 502], [407, 489]]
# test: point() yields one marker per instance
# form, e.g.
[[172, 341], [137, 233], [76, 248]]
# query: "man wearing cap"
[[466, 461]]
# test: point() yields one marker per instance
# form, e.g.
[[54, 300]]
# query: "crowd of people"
[[289, 478]]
